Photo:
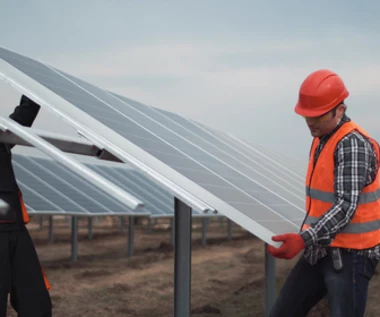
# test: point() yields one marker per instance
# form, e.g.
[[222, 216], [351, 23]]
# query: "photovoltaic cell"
[[229, 171]]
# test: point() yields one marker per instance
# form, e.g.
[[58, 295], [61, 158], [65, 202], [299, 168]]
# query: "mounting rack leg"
[[182, 259]]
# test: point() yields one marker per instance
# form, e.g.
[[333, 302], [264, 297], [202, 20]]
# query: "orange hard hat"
[[320, 92]]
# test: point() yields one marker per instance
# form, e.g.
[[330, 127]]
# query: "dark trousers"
[[21, 275], [346, 291]]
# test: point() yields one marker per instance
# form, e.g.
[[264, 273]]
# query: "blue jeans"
[[346, 291]]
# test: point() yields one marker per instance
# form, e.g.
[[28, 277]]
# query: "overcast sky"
[[233, 65]]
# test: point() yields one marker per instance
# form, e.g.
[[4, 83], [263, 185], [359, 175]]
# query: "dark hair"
[[333, 111]]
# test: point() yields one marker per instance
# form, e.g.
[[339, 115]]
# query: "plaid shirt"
[[357, 168]]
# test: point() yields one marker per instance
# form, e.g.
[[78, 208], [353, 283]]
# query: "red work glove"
[[293, 243]]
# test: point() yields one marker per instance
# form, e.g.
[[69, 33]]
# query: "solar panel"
[[168, 149], [32, 138], [50, 188]]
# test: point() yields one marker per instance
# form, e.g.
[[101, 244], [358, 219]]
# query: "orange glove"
[[293, 243]]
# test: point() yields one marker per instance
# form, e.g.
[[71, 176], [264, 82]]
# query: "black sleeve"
[[25, 113]]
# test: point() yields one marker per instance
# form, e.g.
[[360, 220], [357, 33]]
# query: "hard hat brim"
[[309, 112]]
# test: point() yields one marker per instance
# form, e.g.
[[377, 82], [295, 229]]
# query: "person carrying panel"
[[340, 234], [21, 274]]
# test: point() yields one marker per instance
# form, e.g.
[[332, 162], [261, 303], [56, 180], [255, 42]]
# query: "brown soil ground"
[[227, 276]]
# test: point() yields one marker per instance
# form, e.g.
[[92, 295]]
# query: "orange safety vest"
[[363, 231], [26, 218]]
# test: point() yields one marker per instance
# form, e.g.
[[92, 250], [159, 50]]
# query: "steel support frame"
[[229, 229], [65, 143], [172, 229], [182, 264], [51, 228], [131, 235], [270, 281], [205, 222], [74, 239], [90, 228], [182, 259]]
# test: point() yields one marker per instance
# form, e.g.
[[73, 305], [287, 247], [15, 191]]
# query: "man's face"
[[326, 123]]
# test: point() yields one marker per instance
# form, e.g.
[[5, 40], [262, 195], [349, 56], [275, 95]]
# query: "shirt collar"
[[344, 119]]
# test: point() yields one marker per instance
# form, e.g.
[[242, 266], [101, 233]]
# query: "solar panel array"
[[50, 188], [260, 194]]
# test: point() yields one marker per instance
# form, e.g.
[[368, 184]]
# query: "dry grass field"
[[227, 276]]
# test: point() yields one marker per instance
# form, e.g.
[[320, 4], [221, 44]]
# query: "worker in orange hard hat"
[[340, 234]]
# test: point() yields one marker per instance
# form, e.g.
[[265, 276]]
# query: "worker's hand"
[[293, 243]]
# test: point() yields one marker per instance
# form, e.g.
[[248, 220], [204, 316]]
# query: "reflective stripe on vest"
[[352, 227], [328, 197]]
